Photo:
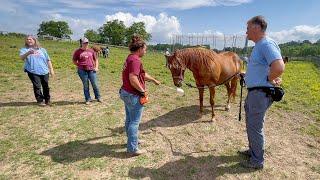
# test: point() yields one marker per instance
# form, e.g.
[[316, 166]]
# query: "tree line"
[[112, 32]]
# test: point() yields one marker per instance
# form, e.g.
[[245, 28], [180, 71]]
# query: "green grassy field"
[[71, 140]]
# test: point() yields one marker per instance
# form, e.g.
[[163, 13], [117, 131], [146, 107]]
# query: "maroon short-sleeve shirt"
[[132, 65]]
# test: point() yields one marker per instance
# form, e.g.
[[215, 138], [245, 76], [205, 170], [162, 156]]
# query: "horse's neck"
[[192, 65], [187, 62]]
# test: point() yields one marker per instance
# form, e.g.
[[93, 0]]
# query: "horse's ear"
[[168, 55]]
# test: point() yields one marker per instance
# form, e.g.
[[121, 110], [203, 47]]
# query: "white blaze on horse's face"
[[176, 71]]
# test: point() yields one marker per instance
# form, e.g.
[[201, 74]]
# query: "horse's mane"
[[200, 56]]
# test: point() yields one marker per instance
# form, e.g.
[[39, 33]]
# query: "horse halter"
[[180, 76]]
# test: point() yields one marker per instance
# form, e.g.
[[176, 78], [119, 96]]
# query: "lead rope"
[[211, 85], [242, 83]]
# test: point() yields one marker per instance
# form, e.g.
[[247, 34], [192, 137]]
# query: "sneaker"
[[87, 102], [137, 153], [41, 103], [99, 100], [248, 164], [246, 153]]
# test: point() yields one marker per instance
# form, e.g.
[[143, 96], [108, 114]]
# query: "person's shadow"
[[23, 103], [205, 167], [176, 117], [81, 149]]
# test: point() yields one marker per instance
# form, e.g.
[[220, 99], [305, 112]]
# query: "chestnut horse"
[[97, 49], [209, 70]]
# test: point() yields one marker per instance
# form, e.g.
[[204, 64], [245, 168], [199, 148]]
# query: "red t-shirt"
[[132, 65], [85, 58]]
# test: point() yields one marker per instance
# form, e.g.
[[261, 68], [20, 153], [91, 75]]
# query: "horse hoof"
[[227, 108], [213, 119]]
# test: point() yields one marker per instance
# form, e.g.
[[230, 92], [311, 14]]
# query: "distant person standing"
[[105, 52], [265, 67], [38, 65], [133, 92], [88, 65]]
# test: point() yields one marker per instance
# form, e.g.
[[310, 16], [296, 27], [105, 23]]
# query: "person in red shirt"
[[88, 65], [133, 90]]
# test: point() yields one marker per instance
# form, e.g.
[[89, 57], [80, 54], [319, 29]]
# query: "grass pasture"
[[70, 140]]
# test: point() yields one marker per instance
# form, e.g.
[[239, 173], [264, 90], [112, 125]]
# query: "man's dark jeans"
[[37, 82]]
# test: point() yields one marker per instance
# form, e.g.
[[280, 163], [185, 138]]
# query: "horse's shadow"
[[176, 117], [23, 103], [189, 167], [81, 149]]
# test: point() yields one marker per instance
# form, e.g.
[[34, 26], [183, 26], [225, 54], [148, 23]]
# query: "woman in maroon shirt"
[[133, 89], [88, 65]]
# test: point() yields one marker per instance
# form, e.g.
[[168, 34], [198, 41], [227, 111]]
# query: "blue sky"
[[288, 19]]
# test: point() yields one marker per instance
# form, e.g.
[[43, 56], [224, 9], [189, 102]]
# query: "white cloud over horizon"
[[160, 27], [297, 33], [78, 26]]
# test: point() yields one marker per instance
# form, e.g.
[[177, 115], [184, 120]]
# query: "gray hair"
[[260, 21]]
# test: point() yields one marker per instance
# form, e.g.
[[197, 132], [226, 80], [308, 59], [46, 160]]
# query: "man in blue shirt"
[[265, 66]]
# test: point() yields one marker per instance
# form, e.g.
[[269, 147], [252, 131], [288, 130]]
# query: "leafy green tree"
[[92, 35], [137, 28], [113, 32], [59, 29]]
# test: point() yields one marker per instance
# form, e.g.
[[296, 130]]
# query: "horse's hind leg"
[[229, 92], [212, 94], [201, 90], [234, 83]]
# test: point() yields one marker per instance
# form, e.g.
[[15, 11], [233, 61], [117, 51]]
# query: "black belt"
[[264, 89]]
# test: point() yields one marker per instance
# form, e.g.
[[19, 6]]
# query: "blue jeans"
[[134, 111], [256, 106], [85, 76]]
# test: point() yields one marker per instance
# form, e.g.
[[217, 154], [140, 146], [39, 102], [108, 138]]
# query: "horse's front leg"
[[212, 94], [201, 90]]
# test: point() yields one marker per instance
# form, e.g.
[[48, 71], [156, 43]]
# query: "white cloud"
[[183, 4], [297, 33], [160, 27], [77, 26], [8, 7]]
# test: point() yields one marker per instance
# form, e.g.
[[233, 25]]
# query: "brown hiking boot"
[[137, 153]]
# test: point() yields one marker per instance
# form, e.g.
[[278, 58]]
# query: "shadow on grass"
[[189, 167], [176, 117], [54, 103], [81, 149]]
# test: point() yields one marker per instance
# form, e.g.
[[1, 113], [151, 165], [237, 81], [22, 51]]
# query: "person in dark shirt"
[[133, 91]]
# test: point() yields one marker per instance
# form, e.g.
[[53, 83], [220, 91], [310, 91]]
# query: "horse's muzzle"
[[178, 84]]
